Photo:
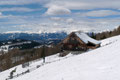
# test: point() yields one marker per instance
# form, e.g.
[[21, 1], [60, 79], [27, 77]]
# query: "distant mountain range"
[[17, 43], [41, 38]]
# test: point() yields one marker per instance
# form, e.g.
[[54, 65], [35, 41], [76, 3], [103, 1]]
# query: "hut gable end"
[[73, 38]]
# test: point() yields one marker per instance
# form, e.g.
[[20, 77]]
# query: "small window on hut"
[[73, 41], [90, 44]]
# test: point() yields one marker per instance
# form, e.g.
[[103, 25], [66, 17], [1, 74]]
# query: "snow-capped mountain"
[[46, 38], [32, 36], [98, 64]]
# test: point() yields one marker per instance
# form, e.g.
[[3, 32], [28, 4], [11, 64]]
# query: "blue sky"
[[58, 15]]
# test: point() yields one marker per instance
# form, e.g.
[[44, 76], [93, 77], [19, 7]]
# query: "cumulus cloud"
[[57, 10]]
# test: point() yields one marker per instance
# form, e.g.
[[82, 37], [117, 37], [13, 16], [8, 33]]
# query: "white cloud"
[[56, 19], [98, 13], [76, 25], [86, 4], [50, 25], [21, 2], [0, 13], [62, 20], [18, 9], [70, 20], [56, 24], [102, 13], [57, 10]]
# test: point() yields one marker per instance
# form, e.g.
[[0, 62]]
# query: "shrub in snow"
[[11, 73], [25, 65], [37, 66]]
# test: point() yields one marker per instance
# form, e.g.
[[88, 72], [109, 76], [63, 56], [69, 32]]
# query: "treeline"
[[106, 34], [16, 56]]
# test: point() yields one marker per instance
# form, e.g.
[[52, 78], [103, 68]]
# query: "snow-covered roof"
[[85, 38]]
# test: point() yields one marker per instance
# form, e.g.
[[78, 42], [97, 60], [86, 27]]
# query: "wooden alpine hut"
[[79, 41]]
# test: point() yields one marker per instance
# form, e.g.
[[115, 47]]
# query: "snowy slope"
[[110, 40], [99, 64], [19, 70]]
